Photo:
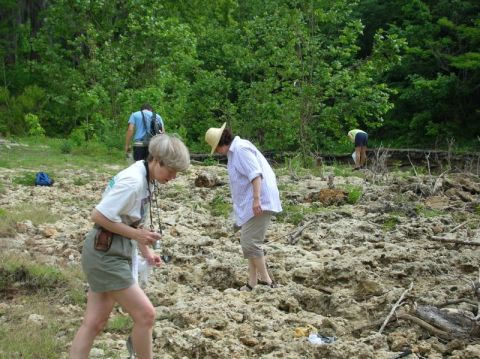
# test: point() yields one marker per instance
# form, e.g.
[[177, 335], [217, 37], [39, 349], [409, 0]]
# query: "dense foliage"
[[288, 74]]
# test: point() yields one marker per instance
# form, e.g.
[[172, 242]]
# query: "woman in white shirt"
[[255, 198], [109, 247]]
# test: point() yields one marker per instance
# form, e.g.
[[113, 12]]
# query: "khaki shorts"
[[253, 235], [110, 270]]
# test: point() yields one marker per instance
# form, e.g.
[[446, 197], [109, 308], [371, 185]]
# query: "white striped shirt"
[[245, 163]]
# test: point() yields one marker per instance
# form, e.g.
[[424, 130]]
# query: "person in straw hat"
[[255, 198]]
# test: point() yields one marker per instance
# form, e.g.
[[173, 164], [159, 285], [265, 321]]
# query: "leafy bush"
[[66, 147], [34, 127], [354, 194]]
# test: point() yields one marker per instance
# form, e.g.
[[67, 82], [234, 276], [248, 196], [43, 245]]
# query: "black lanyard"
[[150, 200]]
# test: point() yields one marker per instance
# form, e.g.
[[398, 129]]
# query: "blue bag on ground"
[[42, 179]]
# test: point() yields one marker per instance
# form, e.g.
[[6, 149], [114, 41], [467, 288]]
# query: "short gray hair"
[[170, 151]]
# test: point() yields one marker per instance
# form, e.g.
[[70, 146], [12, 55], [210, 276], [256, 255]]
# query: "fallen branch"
[[405, 316], [411, 163], [458, 301], [433, 330], [458, 227], [292, 234], [293, 237], [395, 306], [451, 240]]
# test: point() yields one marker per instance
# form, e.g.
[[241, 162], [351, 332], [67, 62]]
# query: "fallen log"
[[453, 322], [451, 240]]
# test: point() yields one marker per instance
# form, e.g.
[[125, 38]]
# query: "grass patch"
[[15, 276], [476, 210], [49, 154], [37, 214], [19, 274], [25, 179], [210, 161], [40, 290], [80, 181], [427, 212], [390, 223], [354, 193], [295, 213], [219, 206], [346, 171], [20, 338], [121, 324]]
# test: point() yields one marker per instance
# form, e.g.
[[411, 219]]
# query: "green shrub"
[[354, 193], [66, 146], [34, 128]]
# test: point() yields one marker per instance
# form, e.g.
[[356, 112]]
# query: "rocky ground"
[[341, 267]]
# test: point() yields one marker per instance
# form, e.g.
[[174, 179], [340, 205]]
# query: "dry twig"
[[395, 306], [458, 227], [294, 236]]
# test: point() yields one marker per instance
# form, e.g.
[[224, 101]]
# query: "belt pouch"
[[103, 240]]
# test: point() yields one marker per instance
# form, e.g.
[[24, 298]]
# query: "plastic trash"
[[304, 331], [319, 339], [144, 270]]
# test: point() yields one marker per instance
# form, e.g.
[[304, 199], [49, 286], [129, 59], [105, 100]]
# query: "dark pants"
[[140, 153]]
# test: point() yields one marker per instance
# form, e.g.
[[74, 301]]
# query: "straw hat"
[[213, 136]]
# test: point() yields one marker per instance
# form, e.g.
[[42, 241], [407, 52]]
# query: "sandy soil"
[[339, 277]]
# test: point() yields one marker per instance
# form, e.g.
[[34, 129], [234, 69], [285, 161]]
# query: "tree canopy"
[[287, 74]]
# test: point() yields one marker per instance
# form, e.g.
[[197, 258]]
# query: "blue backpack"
[[42, 179]]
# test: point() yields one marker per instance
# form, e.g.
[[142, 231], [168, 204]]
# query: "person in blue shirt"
[[137, 130]]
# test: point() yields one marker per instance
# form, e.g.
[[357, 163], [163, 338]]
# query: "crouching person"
[[108, 248]]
